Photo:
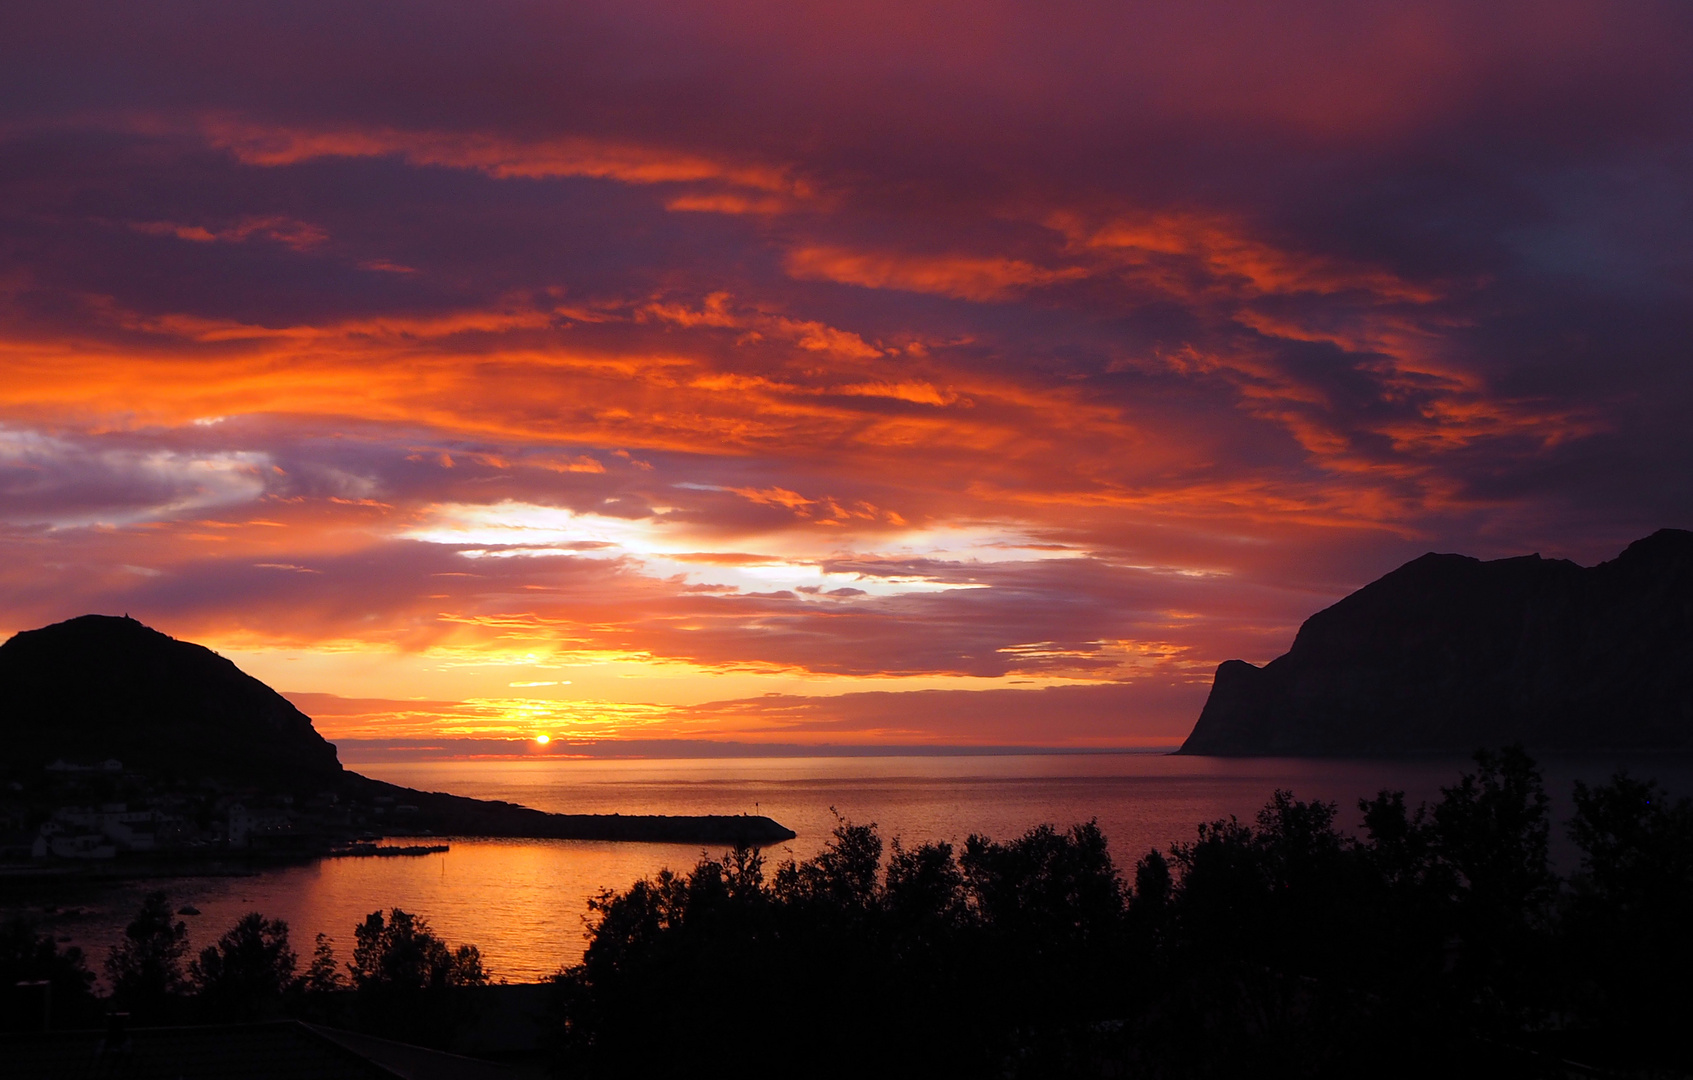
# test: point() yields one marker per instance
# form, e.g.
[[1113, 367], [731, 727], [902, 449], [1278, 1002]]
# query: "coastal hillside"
[[1448, 653], [185, 725], [100, 686]]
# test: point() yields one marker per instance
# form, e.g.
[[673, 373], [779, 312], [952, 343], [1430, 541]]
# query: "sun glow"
[[543, 739]]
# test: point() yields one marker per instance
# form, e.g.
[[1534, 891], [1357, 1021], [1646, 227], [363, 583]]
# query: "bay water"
[[523, 903]]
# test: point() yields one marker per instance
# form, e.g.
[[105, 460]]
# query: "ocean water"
[[524, 903]]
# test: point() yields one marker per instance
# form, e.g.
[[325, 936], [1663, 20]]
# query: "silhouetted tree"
[[323, 974], [1490, 833], [1254, 944], [1433, 944], [30, 956], [409, 980], [924, 891], [1629, 918], [1149, 901], [145, 969], [246, 973], [402, 952], [851, 970], [842, 876]]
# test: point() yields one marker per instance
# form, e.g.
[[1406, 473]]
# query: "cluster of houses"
[[175, 822], [87, 832]]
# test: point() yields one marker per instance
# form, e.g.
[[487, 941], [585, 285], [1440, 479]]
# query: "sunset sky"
[[857, 373]]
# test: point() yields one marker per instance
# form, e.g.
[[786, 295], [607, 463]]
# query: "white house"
[[131, 830]]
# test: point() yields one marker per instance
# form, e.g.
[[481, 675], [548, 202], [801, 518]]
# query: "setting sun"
[[543, 739]]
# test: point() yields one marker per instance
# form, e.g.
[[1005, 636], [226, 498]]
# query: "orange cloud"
[[981, 279], [918, 393], [296, 235], [1198, 253], [256, 143]]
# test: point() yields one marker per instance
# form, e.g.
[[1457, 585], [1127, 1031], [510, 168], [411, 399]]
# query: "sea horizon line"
[[376, 751]]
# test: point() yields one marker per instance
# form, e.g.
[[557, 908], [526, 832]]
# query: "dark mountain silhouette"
[[99, 687], [1448, 653]]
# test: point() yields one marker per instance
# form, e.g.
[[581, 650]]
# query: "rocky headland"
[[1448, 653]]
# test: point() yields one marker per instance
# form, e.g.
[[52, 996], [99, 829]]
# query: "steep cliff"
[[1448, 653]]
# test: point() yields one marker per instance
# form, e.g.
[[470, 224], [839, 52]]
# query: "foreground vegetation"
[[1438, 941], [403, 981]]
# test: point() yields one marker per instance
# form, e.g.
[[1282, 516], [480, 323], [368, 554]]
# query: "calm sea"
[[523, 903]]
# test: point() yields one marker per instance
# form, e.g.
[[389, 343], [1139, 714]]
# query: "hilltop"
[[101, 686], [1448, 653]]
